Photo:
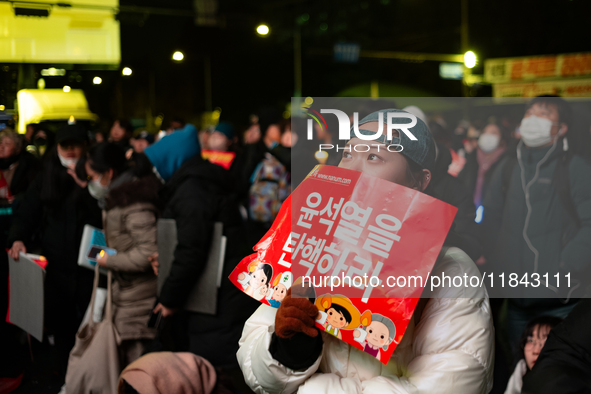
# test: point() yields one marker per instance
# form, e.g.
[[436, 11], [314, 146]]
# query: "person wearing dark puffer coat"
[[197, 194], [53, 211]]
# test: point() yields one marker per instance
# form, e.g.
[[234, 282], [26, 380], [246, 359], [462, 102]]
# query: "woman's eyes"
[[370, 157]]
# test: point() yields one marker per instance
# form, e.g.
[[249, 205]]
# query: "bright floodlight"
[[66, 89], [126, 71], [263, 30], [178, 56], [97, 80], [470, 59]]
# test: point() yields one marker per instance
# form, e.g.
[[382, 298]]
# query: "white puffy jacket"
[[447, 348]]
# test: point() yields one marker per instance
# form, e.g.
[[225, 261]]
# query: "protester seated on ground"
[[131, 208], [532, 341], [563, 365], [166, 372], [448, 345]]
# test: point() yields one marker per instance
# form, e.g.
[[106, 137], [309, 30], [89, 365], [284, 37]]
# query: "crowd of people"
[[524, 205]]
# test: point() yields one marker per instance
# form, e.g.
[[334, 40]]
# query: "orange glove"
[[295, 315]]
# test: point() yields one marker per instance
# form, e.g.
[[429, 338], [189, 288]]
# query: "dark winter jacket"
[[565, 361], [244, 165], [469, 173], [561, 246], [27, 168], [198, 195], [449, 189], [60, 222], [24, 173]]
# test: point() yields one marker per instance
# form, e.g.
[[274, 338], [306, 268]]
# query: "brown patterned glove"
[[295, 315]]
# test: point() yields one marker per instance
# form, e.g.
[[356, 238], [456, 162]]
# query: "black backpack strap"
[[561, 183]]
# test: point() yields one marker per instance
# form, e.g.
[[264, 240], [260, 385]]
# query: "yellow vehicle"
[[51, 106]]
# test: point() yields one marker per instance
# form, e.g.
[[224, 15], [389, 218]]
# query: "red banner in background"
[[349, 225], [223, 159]]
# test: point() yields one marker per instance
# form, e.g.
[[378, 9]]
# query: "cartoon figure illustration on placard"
[[336, 313], [255, 282], [376, 335], [277, 293]]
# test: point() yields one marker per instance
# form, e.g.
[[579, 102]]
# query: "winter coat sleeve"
[[576, 255], [194, 223], [454, 340], [261, 371], [141, 226], [29, 215]]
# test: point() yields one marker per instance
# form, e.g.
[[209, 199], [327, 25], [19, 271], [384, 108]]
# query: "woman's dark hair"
[[105, 156], [267, 270], [564, 111], [125, 125], [343, 311], [505, 133], [141, 165], [542, 321], [414, 171]]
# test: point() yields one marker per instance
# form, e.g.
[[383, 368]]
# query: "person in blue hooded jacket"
[[197, 194]]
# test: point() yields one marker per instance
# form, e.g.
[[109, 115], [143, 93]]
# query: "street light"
[[178, 56], [470, 59], [263, 30], [126, 71], [97, 80], [66, 89]]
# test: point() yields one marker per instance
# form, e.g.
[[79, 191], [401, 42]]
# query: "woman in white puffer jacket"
[[449, 342]]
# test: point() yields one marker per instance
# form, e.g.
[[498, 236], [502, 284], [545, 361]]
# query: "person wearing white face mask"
[[537, 216], [53, 211], [130, 202], [480, 163]]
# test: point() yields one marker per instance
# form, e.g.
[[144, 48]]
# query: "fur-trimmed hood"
[[134, 191]]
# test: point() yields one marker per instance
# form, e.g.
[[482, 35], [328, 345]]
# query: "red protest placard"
[[341, 224]]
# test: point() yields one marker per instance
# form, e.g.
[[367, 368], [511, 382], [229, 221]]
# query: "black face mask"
[[40, 141]]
